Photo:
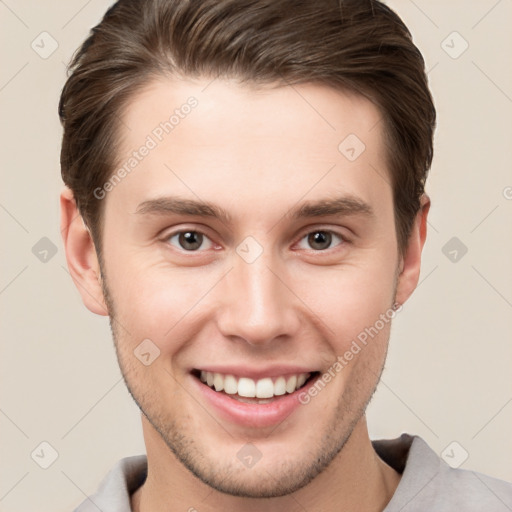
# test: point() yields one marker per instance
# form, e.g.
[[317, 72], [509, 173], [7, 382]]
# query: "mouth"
[[254, 391]]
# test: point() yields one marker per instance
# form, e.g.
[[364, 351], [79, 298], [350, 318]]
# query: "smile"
[[245, 389]]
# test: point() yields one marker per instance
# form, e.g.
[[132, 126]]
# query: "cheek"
[[158, 302], [348, 299]]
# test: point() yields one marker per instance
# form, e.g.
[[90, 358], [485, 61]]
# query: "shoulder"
[[114, 491], [429, 483]]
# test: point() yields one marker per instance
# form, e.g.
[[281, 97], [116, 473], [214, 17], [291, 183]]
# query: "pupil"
[[320, 237], [190, 240]]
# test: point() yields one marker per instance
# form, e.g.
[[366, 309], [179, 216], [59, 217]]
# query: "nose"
[[258, 305]]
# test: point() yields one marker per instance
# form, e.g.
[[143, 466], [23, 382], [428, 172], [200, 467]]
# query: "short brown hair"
[[357, 45]]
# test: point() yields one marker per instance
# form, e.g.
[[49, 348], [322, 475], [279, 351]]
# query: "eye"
[[320, 240], [189, 240]]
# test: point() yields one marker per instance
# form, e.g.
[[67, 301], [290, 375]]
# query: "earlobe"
[[81, 255], [409, 271]]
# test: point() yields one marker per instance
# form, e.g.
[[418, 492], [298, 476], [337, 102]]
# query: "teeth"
[[249, 388], [246, 387], [291, 384], [264, 388], [230, 384], [218, 382], [280, 386]]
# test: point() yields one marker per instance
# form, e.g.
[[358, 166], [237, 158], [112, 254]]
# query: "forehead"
[[251, 110], [272, 143]]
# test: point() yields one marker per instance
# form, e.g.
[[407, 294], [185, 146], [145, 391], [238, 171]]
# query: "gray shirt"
[[427, 484]]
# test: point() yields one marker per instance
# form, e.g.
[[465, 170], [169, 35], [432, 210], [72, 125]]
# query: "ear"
[[410, 264], [81, 254]]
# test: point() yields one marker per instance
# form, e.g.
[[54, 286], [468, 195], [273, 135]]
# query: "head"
[[285, 120]]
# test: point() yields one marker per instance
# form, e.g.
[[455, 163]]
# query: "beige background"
[[448, 373]]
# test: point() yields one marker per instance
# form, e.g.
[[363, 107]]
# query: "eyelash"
[[343, 238]]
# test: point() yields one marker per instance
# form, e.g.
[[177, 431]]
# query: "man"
[[250, 175]]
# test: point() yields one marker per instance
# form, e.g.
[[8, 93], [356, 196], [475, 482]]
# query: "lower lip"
[[253, 415]]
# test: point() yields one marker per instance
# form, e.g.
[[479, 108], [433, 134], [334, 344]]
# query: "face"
[[294, 257]]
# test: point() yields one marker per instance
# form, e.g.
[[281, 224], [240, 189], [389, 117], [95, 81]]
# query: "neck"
[[357, 479]]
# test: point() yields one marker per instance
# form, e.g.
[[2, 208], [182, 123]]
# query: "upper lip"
[[256, 373]]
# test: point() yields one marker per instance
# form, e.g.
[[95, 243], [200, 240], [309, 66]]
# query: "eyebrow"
[[345, 205]]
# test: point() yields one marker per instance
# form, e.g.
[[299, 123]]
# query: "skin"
[[258, 154]]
